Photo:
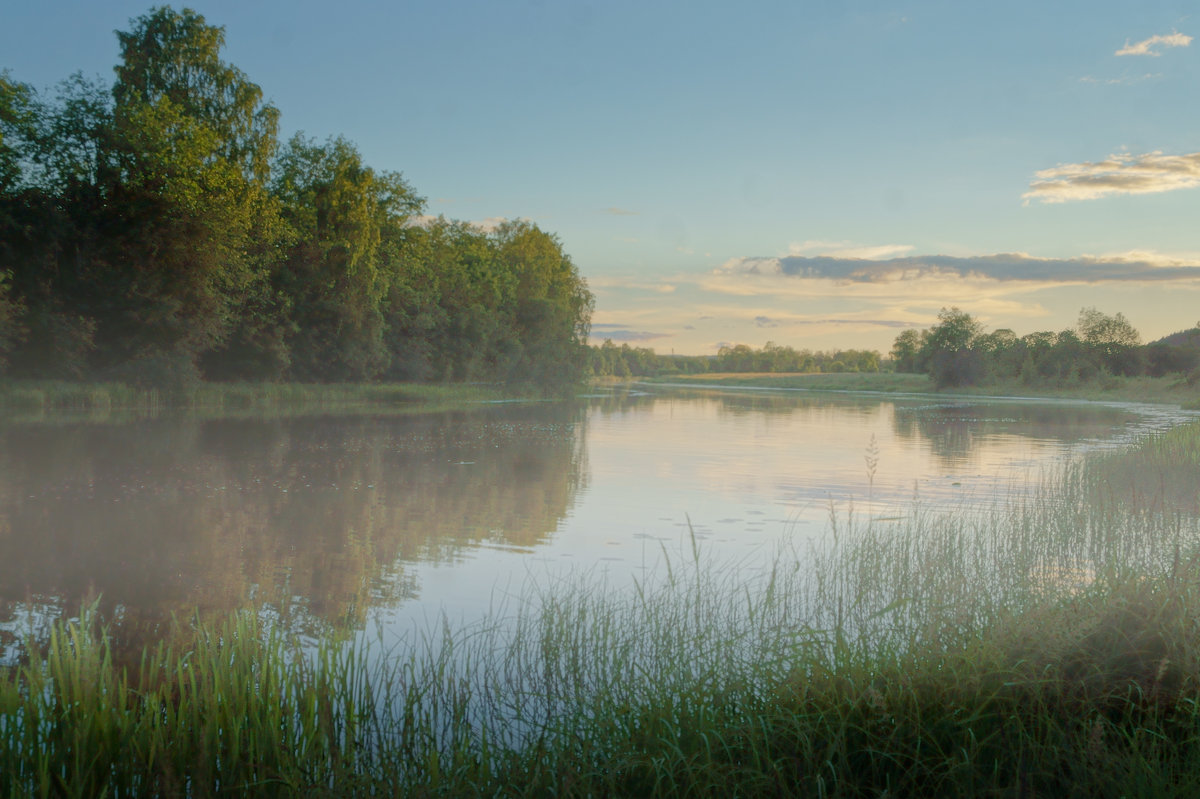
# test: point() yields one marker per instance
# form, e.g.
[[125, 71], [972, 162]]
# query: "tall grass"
[[1047, 645], [33, 397]]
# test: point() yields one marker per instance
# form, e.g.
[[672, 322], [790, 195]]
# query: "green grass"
[[1170, 390], [37, 398], [1049, 645]]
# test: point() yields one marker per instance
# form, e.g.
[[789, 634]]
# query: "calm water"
[[331, 518]]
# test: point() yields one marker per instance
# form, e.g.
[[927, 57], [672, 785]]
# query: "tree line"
[[609, 359], [156, 230], [957, 352]]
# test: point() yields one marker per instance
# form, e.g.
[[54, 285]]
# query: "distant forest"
[[957, 352], [609, 359], [156, 231], [954, 352]]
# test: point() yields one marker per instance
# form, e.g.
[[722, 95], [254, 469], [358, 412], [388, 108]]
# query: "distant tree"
[[1112, 339], [949, 351], [905, 351]]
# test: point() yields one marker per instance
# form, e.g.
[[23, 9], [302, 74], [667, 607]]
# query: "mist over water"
[[330, 520]]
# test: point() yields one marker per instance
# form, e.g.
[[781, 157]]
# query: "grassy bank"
[[42, 396], [1171, 390], [1049, 644]]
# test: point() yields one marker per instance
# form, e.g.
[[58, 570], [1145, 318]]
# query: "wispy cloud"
[[623, 333], [488, 225], [1124, 80], [846, 249], [765, 321], [1150, 173], [1002, 267], [614, 211], [629, 284], [420, 220], [1151, 46]]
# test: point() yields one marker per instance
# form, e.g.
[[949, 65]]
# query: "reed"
[[1047, 644], [98, 400]]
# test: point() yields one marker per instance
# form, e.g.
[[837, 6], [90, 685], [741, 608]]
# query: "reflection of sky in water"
[[414, 515], [748, 470]]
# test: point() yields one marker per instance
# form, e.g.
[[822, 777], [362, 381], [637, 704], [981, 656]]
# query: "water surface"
[[326, 517]]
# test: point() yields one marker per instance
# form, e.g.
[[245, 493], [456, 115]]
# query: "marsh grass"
[[48, 398], [1168, 390], [1049, 644]]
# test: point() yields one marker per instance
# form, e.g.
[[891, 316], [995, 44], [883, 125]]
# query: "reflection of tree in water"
[[315, 515], [953, 430], [743, 402]]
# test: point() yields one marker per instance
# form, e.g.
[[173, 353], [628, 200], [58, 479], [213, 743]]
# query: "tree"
[[1112, 339], [905, 351], [339, 211], [16, 123], [157, 198], [948, 349], [551, 304], [175, 58]]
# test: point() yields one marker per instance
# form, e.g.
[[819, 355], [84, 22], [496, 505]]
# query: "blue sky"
[[816, 174]]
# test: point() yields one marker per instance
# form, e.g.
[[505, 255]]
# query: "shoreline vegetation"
[[22, 398], [1047, 644], [1167, 390]]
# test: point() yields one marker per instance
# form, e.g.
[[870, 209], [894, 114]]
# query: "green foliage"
[[16, 123], [608, 359], [336, 274], [1104, 349], [155, 232], [949, 349], [906, 351], [174, 58]]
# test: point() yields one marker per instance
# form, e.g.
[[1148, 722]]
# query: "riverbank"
[[1050, 644], [33, 397], [1171, 390]]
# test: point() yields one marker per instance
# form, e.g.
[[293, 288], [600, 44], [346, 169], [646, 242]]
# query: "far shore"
[[1169, 390]]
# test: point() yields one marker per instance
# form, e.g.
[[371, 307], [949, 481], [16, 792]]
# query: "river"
[[330, 519]]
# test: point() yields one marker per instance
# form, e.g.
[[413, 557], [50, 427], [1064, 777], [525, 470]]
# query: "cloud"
[[491, 223], [630, 284], [1140, 267], [793, 321], [488, 225], [420, 220], [845, 249], [1124, 80], [614, 211], [622, 333], [1149, 173], [765, 321], [1147, 46]]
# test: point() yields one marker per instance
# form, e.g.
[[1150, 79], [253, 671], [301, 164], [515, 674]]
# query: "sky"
[[820, 175]]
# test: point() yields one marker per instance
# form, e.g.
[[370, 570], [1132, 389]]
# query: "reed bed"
[[32, 397], [1049, 644]]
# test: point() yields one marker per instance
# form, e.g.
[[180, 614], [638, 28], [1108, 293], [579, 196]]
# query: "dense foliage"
[[627, 361], [157, 231], [957, 352]]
